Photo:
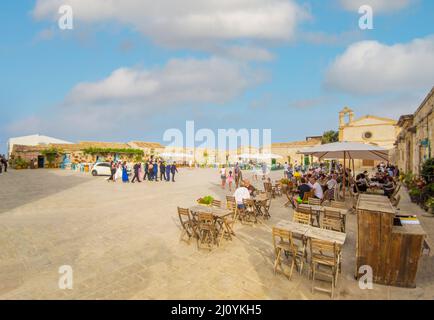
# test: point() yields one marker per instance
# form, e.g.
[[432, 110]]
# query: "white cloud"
[[193, 22], [377, 5], [370, 67], [213, 80], [131, 97]]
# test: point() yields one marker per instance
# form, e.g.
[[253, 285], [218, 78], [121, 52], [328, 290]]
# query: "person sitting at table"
[[249, 187], [331, 185], [389, 187], [317, 189], [362, 183], [302, 189], [240, 194]]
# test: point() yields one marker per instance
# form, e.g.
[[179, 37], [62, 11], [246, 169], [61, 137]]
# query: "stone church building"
[[367, 129]]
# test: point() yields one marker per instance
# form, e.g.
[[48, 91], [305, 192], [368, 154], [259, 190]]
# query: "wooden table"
[[219, 214], [312, 232]]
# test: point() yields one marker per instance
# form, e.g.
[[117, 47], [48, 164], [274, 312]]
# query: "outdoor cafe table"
[[312, 232], [260, 204], [219, 214]]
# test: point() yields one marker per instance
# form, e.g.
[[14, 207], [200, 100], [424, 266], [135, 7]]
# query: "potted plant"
[[415, 194], [206, 201], [430, 205]]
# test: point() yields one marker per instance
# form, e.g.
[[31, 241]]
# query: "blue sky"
[[132, 69]]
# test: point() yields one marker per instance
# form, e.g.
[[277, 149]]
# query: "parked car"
[[101, 169]]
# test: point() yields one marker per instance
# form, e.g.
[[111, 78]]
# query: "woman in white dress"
[[118, 174]]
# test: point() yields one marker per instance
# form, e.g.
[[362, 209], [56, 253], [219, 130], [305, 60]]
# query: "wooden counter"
[[392, 251]]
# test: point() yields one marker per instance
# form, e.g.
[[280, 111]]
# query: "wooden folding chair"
[[324, 255], [216, 203], [250, 212], [302, 217], [283, 243], [207, 230], [314, 201], [268, 187], [306, 197], [339, 219], [230, 199], [314, 215], [338, 204], [187, 223], [278, 188]]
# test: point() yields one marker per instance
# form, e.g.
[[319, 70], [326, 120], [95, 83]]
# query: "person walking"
[[150, 171], [223, 176], [168, 169], [112, 172], [140, 172], [155, 170], [136, 173], [146, 169], [125, 178], [162, 170], [173, 169]]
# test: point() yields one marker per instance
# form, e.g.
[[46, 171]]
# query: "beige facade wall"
[[374, 130], [415, 142]]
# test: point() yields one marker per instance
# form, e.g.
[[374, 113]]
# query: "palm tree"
[[330, 137]]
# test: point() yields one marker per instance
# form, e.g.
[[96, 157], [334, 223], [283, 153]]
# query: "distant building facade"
[[34, 141], [415, 142], [367, 129]]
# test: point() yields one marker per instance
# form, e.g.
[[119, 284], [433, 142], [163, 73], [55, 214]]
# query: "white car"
[[101, 169]]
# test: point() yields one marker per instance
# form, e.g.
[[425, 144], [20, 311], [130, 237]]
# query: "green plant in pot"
[[415, 194], [430, 205], [206, 200]]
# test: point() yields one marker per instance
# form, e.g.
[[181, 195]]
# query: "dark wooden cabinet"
[[392, 251]]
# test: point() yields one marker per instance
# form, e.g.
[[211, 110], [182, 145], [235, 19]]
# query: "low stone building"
[[289, 150], [414, 143]]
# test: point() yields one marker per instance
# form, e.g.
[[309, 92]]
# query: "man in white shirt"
[[331, 184], [240, 194], [317, 189]]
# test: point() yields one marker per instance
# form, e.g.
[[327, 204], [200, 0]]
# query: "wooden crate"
[[393, 252]]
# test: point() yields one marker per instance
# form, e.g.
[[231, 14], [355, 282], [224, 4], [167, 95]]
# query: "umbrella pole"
[[344, 182]]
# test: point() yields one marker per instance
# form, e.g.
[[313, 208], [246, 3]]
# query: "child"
[[230, 180]]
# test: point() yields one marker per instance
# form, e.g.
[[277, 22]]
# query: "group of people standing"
[[150, 170], [3, 164], [229, 175]]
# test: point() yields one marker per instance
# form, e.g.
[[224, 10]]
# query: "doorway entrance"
[[41, 162]]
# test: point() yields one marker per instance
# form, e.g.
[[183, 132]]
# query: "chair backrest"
[[230, 198], [231, 205], [216, 203], [268, 187], [338, 204], [301, 217], [331, 224], [249, 203], [307, 195], [314, 201], [304, 208], [184, 216], [322, 251], [332, 214], [281, 236], [205, 219]]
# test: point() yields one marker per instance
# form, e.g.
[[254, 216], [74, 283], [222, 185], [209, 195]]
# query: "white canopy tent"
[[175, 155], [347, 150]]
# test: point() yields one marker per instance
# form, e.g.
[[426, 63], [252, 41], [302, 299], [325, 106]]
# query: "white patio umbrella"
[[347, 150], [266, 156], [175, 155]]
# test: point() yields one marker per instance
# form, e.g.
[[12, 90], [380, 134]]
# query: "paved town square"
[[122, 241]]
